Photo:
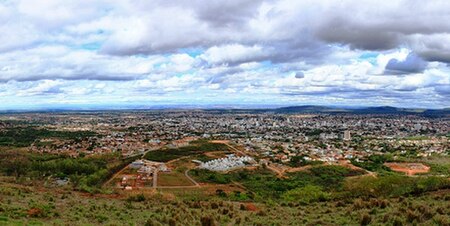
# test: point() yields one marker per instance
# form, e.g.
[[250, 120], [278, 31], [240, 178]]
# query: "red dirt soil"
[[34, 212], [251, 207], [408, 168]]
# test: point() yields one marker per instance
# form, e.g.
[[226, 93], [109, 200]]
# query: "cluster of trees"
[[297, 161], [306, 194], [85, 173], [374, 163], [321, 183], [25, 136], [194, 148], [264, 184]]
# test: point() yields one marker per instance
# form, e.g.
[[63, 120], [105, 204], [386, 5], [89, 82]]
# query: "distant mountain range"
[[304, 109], [365, 110]]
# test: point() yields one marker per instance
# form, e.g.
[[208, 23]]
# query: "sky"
[[143, 53]]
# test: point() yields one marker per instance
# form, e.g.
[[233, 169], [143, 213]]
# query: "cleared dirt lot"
[[408, 168]]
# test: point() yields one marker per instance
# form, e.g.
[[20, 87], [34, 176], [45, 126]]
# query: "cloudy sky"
[[66, 53]]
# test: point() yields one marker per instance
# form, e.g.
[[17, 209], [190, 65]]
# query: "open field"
[[173, 179], [197, 148], [439, 165], [408, 168]]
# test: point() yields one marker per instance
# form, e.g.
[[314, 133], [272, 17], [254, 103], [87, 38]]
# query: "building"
[[347, 135]]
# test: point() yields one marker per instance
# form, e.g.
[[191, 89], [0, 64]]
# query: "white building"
[[347, 135], [228, 163]]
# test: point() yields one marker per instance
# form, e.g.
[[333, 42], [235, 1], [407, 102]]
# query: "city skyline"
[[144, 54]]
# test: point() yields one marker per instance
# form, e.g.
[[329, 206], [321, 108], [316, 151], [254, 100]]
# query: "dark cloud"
[[443, 90], [227, 13], [297, 33], [412, 64], [419, 25], [436, 55], [358, 36], [75, 76], [299, 75]]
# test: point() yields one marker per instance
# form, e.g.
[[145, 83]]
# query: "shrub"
[[365, 219], [307, 194], [136, 198], [208, 221]]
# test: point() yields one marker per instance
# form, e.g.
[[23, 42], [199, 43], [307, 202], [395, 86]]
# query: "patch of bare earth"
[[408, 168]]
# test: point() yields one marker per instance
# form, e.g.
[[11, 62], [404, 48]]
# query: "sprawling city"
[[225, 166], [225, 112]]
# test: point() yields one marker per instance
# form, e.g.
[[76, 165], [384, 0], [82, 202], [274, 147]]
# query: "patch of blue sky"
[[159, 65], [370, 57], [266, 63], [180, 74], [91, 46], [193, 52]]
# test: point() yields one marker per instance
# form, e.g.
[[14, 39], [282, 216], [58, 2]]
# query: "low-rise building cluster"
[[229, 163]]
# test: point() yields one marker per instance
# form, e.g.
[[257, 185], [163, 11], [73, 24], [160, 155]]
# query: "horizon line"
[[199, 107]]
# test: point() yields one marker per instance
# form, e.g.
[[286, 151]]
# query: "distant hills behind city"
[[305, 109], [364, 110]]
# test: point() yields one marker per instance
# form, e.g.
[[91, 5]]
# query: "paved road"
[[155, 178], [227, 144], [186, 173], [115, 175]]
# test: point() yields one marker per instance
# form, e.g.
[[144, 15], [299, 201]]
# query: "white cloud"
[[287, 51], [233, 53]]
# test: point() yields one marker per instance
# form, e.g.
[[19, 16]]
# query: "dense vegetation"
[[298, 161], [321, 183], [321, 195], [24, 137], [440, 165], [26, 206], [87, 173], [374, 163], [262, 184], [393, 185], [193, 149]]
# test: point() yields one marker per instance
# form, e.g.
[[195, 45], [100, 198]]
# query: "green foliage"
[[24, 137], [204, 175], [84, 173], [374, 163], [264, 184], [50, 207], [240, 196], [314, 132], [136, 198], [69, 166], [393, 185], [306, 194], [297, 161], [196, 148]]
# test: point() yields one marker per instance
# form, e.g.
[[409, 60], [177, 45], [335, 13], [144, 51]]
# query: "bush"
[[393, 185], [208, 221], [196, 148], [365, 219], [307, 194], [136, 198]]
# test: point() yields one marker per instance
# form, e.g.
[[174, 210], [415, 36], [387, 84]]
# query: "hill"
[[365, 110]]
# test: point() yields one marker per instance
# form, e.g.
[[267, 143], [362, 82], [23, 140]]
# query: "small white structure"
[[347, 135], [148, 167], [137, 164], [228, 163]]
